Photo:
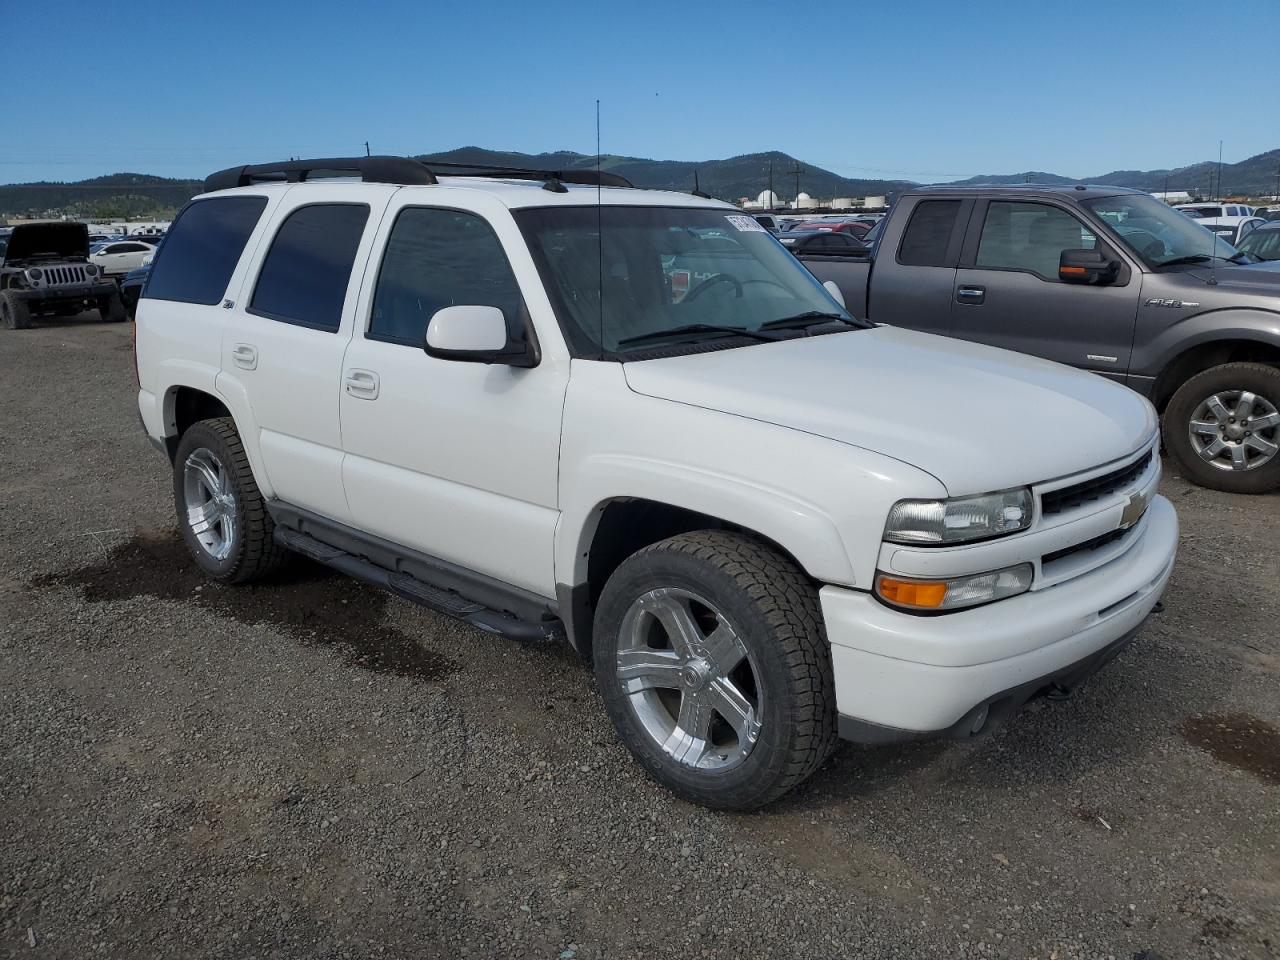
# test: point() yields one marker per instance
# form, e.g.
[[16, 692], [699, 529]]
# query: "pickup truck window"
[[305, 275], [928, 233], [1157, 233], [1029, 236], [436, 259], [202, 248], [665, 268]]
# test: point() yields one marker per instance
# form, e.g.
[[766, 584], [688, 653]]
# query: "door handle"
[[969, 294], [362, 384], [245, 356]]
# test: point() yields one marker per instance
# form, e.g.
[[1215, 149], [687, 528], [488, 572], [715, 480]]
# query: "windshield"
[[1157, 233], [666, 269], [1263, 244]]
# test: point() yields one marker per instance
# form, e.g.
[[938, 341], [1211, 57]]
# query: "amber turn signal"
[[922, 594]]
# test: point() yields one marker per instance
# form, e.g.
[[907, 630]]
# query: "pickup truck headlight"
[[929, 596], [960, 519]]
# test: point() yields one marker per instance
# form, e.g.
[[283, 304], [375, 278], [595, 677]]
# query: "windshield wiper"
[[696, 330], [1193, 258], [811, 318]]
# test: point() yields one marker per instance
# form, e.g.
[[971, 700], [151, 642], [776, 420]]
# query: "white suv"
[[553, 405]]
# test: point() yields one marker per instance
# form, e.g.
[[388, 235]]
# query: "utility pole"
[[1166, 188], [366, 149], [796, 171], [771, 198], [1277, 196], [1219, 197]]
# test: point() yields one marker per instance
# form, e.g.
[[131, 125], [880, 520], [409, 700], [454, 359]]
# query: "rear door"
[[1007, 292], [286, 333], [914, 275]]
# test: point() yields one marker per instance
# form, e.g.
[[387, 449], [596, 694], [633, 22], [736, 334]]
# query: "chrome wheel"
[[689, 679], [210, 501], [1235, 430]]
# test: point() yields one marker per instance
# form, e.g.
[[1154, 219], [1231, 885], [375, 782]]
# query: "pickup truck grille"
[[1067, 498], [65, 274], [1097, 543]]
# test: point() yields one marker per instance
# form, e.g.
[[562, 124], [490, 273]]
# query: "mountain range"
[[138, 195]]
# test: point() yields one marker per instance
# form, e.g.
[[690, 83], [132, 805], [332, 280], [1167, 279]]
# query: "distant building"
[[803, 202], [1172, 196], [871, 202]]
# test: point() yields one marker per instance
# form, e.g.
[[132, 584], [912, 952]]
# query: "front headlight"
[[960, 519], [91, 269], [35, 273], [928, 596]]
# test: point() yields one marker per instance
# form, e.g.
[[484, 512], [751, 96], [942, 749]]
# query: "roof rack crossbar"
[[582, 177], [370, 169]]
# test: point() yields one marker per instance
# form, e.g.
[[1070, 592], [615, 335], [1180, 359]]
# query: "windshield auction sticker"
[[746, 224]]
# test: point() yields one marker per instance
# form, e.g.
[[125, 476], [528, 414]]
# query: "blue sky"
[[923, 90]]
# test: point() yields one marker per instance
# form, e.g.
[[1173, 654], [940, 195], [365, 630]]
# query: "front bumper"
[[901, 676], [76, 291]]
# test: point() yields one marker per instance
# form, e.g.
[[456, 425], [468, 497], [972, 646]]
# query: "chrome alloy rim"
[[689, 679], [210, 502], [1236, 430]]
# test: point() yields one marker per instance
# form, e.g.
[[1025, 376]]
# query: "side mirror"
[[1086, 266], [476, 334], [834, 289]]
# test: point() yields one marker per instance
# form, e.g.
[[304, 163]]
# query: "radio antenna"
[[599, 227]]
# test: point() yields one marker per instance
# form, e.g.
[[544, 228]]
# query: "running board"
[[447, 602]]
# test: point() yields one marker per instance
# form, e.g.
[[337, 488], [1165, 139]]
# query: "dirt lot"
[[319, 770]]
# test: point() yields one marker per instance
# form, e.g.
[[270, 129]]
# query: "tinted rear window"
[[202, 248], [924, 244], [305, 275]]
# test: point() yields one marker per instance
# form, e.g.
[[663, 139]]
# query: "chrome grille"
[[64, 274]]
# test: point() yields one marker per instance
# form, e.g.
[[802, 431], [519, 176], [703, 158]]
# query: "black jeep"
[[45, 271]]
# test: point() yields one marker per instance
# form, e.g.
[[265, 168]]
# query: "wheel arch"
[[185, 406], [618, 527], [1239, 347]]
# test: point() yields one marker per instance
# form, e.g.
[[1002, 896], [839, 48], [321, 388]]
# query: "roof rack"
[[402, 170]]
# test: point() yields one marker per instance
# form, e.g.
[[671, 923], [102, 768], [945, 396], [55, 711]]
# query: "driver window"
[[1029, 236], [436, 259]]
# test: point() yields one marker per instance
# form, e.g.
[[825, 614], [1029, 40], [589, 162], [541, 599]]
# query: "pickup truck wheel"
[[714, 668], [14, 312], [1223, 427], [220, 509]]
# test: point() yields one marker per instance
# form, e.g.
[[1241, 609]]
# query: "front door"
[[1007, 292], [452, 459]]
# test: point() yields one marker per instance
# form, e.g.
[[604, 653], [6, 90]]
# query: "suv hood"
[[977, 418], [61, 240]]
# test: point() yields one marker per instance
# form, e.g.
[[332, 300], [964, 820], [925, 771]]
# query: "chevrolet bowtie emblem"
[[1133, 510]]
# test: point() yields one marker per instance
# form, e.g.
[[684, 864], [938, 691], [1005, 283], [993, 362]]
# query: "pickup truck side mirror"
[[476, 334], [1086, 266]]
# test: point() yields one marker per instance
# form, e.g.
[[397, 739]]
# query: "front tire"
[[15, 314], [1223, 428], [221, 513], [111, 309], [713, 665]]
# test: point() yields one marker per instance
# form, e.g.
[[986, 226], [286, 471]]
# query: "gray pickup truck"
[[1102, 278]]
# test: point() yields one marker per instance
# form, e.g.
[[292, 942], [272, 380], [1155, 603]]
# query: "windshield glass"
[[665, 268], [1156, 232], [1263, 244]]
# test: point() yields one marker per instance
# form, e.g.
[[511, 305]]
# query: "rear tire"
[[221, 513], [111, 308], [15, 314], [735, 704], [1213, 446]]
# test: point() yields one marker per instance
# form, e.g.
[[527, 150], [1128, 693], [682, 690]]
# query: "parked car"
[[45, 271], [822, 243], [1210, 210], [857, 228], [1264, 242], [118, 258], [1231, 229], [719, 500], [768, 221], [1102, 278], [131, 287]]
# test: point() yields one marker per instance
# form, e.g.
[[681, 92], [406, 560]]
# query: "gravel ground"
[[316, 769]]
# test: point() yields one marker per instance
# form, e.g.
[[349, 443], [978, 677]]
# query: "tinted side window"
[[202, 248], [1029, 236], [437, 259], [928, 233], [305, 275]]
